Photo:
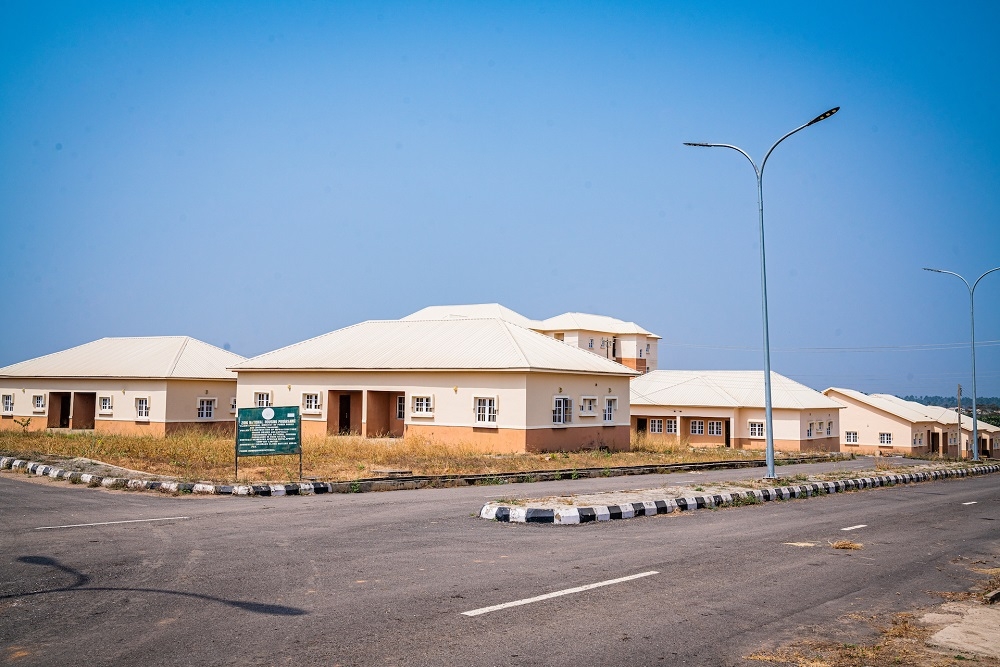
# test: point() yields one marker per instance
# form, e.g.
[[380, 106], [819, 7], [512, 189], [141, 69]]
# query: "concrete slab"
[[975, 632]]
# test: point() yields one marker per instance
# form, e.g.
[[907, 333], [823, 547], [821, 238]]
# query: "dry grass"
[[847, 544], [196, 456]]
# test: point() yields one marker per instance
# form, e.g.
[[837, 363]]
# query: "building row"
[[477, 374]]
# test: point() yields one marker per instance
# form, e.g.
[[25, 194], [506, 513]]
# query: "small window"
[[671, 425], [809, 430], [715, 428], [829, 428], [647, 349], [756, 429], [486, 411], [697, 427], [38, 402], [851, 437], [142, 408], [422, 405], [262, 399], [8, 403], [232, 404], [310, 402], [610, 405], [640, 353], [106, 405], [562, 410], [885, 438], [401, 407], [559, 336], [206, 408], [588, 405], [656, 426], [591, 344]]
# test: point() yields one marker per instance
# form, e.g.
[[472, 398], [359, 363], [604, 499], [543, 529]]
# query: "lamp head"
[[934, 270], [823, 116], [691, 143]]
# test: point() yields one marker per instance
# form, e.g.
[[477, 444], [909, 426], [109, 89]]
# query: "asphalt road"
[[385, 578]]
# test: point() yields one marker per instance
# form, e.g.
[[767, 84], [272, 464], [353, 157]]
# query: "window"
[[142, 408], [647, 349], [401, 407], [232, 404], [885, 438], [591, 344], [640, 353], [262, 399], [829, 428], [715, 428], [610, 405], [697, 427], [918, 439], [809, 430], [206, 408], [422, 405], [310, 402], [38, 402], [656, 426], [671, 425], [756, 429], [486, 411], [588, 406], [8, 403], [562, 410], [106, 405], [851, 437]]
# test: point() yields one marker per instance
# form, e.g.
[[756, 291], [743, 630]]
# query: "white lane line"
[[971, 503], [860, 525], [539, 598], [111, 523]]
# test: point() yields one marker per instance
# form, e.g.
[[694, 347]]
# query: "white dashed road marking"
[[860, 525], [971, 502], [539, 598], [111, 523]]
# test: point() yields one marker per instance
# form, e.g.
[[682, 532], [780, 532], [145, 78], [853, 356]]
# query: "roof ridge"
[[510, 336], [177, 358], [713, 385]]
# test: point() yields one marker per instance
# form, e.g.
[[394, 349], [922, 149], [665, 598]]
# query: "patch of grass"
[[847, 544]]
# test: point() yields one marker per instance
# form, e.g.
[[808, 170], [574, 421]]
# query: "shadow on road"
[[81, 581]]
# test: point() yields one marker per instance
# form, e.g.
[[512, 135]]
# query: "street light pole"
[[972, 318], [759, 172]]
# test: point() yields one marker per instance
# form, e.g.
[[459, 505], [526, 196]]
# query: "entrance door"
[[935, 439], [345, 414], [640, 425], [64, 401], [729, 442]]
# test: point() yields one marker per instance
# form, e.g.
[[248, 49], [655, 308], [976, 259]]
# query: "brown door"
[[64, 402], [728, 436], [640, 425], [345, 414]]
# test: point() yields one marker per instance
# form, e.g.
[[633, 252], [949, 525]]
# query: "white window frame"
[[591, 344], [885, 438], [401, 407], [262, 399], [105, 410], [670, 427], [697, 427], [809, 430], [829, 428], [38, 403], [232, 404], [610, 407], [756, 429], [8, 404], [656, 425], [715, 428], [208, 402], [588, 406], [422, 406], [142, 408], [314, 406], [850, 437], [562, 410], [485, 408]]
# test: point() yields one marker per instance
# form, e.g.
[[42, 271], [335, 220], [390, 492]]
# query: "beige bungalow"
[[486, 382], [886, 424], [726, 409], [148, 386]]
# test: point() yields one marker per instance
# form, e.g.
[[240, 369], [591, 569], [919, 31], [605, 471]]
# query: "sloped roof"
[[589, 322], [168, 357], [472, 311], [736, 389], [891, 405], [938, 414], [450, 344]]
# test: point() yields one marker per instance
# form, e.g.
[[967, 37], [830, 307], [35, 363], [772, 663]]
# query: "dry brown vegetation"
[[195, 456], [847, 544]]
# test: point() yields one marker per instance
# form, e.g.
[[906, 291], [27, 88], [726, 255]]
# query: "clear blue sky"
[[253, 174]]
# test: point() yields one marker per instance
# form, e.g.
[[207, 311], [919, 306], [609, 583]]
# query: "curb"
[[377, 483], [577, 515]]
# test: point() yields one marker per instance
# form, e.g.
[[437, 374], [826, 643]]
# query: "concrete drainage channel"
[[575, 515], [394, 483]]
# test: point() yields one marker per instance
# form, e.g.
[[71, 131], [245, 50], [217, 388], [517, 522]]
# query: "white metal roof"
[[176, 357], [472, 311], [937, 413], [450, 344], [736, 389], [589, 322], [891, 405]]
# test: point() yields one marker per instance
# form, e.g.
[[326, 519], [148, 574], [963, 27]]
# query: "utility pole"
[[959, 410]]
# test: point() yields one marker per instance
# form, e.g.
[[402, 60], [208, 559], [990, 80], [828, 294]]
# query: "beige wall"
[[868, 422], [628, 347]]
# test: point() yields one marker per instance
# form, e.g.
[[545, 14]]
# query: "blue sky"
[[253, 174]]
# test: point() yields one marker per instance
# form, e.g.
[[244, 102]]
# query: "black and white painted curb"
[[574, 515]]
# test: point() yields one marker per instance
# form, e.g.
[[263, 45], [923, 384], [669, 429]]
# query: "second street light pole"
[[972, 317], [759, 171]]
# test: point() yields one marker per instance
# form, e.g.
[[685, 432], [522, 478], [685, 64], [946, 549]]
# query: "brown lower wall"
[[831, 444], [490, 440], [615, 438], [504, 440], [38, 422]]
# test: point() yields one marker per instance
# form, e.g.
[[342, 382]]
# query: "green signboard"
[[268, 431]]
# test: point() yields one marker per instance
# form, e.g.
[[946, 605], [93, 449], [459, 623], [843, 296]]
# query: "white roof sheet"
[[177, 357], [472, 311], [891, 405], [589, 322], [937, 413], [737, 389], [450, 344]]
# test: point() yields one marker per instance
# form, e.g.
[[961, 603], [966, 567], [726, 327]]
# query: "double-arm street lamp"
[[972, 317], [759, 171]]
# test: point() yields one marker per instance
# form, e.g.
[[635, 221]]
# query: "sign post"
[[268, 432]]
